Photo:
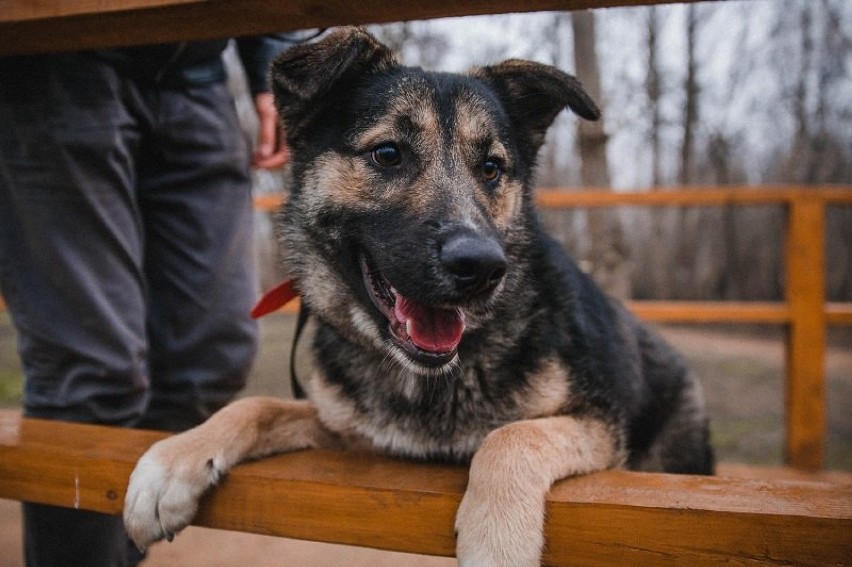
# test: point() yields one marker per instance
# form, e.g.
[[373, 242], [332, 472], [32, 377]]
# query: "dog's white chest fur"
[[546, 394]]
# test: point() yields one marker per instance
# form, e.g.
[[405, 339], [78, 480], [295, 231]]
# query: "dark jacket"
[[195, 63]]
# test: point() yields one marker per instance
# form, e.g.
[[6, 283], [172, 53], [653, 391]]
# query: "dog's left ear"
[[533, 94]]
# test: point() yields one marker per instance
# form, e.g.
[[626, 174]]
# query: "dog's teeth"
[[408, 326]]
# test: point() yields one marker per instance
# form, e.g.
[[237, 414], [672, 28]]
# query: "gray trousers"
[[125, 261]]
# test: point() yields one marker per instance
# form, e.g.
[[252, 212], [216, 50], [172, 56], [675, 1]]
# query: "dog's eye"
[[386, 155], [491, 170]]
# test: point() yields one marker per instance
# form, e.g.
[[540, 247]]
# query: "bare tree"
[[607, 255], [653, 276], [552, 171], [653, 89], [690, 87]]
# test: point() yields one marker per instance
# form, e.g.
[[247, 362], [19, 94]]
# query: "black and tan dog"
[[450, 327]]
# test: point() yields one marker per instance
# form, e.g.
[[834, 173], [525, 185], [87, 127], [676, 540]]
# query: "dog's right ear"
[[304, 76]]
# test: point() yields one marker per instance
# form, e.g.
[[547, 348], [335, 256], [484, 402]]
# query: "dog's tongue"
[[431, 329]]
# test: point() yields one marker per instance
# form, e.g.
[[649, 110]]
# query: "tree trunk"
[[685, 269], [653, 90], [606, 256], [690, 113]]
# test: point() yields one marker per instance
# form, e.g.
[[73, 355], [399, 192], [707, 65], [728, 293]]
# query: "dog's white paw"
[[164, 490]]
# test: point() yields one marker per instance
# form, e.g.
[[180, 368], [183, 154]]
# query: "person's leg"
[[195, 193], [71, 240], [65, 537], [71, 270]]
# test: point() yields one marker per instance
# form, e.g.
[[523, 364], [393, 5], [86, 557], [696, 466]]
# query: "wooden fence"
[[56, 25], [804, 311]]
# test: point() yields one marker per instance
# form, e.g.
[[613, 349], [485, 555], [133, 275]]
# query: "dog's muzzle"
[[431, 334]]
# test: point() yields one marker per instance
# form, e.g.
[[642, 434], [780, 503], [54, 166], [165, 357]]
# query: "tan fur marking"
[[501, 517], [422, 137], [334, 409], [340, 180], [419, 112], [507, 206], [547, 392], [473, 125]]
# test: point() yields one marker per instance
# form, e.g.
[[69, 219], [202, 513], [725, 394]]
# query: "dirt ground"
[[742, 371]]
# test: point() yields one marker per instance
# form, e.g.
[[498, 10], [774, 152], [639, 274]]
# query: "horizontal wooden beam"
[[702, 312], [608, 518], [838, 313], [673, 197], [711, 311], [692, 196], [59, 25]]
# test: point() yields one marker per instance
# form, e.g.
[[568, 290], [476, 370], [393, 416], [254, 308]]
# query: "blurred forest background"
[[733, 93]]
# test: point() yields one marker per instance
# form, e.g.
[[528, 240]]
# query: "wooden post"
[[805, 291]]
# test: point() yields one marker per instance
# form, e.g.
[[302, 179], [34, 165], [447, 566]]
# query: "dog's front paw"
[[500, 522], [496, 531], [164, 490]]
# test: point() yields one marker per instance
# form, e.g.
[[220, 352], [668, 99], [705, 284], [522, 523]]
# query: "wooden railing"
[[55, 25], [804, 311], [609, 518]]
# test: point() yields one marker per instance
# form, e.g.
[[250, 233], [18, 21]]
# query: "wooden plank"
[[59, 25], [771, 473], [690, 196], [683, 197], [806, 334], [698, 312], [838, 313], [711, 311], [371, 501]]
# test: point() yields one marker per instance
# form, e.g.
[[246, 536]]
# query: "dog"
[[450, 327]]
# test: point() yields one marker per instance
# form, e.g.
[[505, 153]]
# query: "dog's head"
[[411, 196]]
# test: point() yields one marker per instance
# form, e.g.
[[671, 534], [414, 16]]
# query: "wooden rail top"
[[609, 518], [59, 25]]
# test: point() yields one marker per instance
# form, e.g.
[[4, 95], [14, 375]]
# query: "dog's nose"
[[476, 263]]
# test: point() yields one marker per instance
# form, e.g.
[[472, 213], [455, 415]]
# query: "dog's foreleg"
[[500, 522], [170, 478]]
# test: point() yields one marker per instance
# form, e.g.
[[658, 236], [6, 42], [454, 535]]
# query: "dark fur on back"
[[539, 338]]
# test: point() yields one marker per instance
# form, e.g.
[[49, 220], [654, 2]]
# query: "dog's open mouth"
[[430, 335]]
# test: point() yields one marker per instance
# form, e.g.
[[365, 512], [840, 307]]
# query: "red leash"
[[275, 299]]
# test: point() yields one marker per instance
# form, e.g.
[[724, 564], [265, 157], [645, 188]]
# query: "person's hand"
[[271, 151]]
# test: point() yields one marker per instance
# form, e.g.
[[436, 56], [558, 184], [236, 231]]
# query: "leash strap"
[[295, 385], [273, 300]]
